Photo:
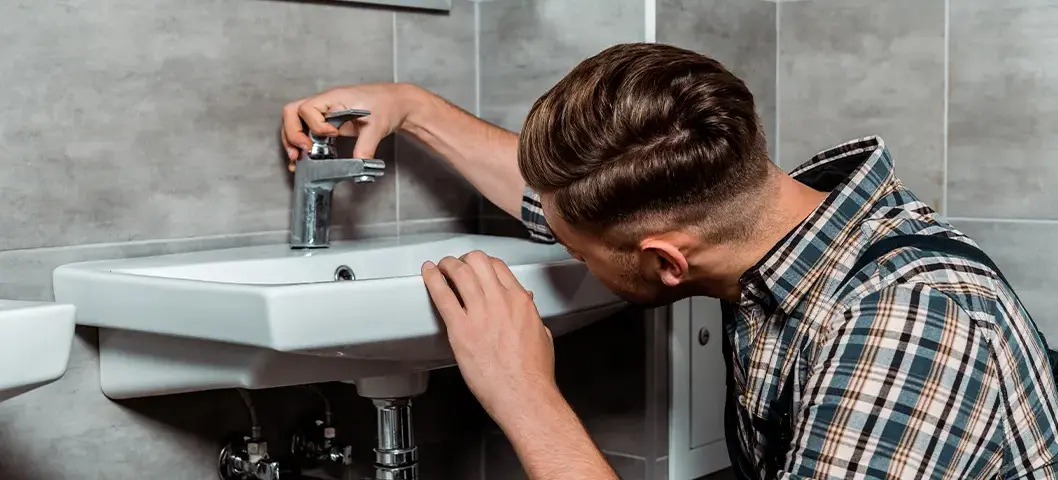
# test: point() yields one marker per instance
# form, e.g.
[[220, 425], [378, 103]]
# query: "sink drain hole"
[[344, 273]]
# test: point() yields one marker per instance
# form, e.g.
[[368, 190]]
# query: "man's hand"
[[506, 356], [487, 156], [503, 349], [389, 104]]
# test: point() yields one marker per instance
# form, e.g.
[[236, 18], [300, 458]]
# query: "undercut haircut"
[[643, 135]]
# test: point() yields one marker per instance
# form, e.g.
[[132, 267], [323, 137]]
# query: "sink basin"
[[269, 316], [35, 340]]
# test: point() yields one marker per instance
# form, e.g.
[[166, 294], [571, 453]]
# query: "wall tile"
[[129, 120], [852, 68], [504, 226], [430, 187], [1025, 253], [1004, 109], [436, 52], [529, 45], [740, 34], [445, 225]]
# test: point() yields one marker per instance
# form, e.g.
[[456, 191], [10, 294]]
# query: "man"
[[649, 164]]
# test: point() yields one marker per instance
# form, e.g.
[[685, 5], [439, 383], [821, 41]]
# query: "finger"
[[464, 282], [549, 334], [486, 273], [506, 276], [312, 112], [292, 127], [349, 129], [292, 151], [442, 295], [370, 135]]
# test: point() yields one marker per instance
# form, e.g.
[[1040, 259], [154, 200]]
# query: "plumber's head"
[[653, 169]]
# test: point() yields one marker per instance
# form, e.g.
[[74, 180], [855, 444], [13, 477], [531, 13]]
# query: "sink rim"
[[135, 267], [281, 316]]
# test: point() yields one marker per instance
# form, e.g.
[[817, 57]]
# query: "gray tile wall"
[[970, 113], [1003, 132], [853, 68]]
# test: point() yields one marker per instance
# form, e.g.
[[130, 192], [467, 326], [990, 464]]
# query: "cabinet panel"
[[697, 387], [707, 372]]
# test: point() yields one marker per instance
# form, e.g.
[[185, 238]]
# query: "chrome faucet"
[[316, 175]]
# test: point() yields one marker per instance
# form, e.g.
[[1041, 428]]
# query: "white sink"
[[35, 340], [269, 316]]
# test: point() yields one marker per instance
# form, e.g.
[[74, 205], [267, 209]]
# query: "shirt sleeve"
[[533, 218], [903, 386]]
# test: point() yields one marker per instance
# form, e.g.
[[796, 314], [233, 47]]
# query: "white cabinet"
[[697, 390]]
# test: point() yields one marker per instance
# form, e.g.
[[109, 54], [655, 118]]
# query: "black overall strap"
[[950, 246], [929, 243]]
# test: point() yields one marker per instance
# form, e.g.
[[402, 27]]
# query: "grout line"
[[153, 241], [477, 59], [1027, 221], [477, 96], [422, 221], [622, 455], [947, 100], [395, 48], [650, 17], [396, 143], [778, 73]]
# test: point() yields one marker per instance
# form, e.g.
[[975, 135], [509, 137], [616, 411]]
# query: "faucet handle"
[[339, 117], [323, 147]]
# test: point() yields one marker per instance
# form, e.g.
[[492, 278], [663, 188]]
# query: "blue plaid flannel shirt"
[[923, 366]]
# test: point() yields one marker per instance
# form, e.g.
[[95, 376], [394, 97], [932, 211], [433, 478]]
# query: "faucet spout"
[[314, 182]]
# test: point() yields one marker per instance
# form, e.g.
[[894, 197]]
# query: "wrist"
[[524, 409], [419, 106]]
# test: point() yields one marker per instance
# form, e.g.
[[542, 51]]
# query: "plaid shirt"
[[922, 366]]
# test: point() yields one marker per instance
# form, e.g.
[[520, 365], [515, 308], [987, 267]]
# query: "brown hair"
[[642, 133]]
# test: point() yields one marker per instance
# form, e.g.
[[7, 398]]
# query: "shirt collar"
[[856, 174]]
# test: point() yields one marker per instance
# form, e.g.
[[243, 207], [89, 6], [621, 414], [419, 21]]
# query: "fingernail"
[[428, 264]]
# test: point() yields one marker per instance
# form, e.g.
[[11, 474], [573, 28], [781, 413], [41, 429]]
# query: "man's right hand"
[[389, 104], [487, 156]]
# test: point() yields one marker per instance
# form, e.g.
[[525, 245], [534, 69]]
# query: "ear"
[[671, 264]]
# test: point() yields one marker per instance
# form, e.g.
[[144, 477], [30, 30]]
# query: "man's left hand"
[[503, 349]]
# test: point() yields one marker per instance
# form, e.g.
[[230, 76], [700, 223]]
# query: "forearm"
[[551, 443], [486, 155]]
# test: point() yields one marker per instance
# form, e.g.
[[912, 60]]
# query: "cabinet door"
[[697, 389]]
